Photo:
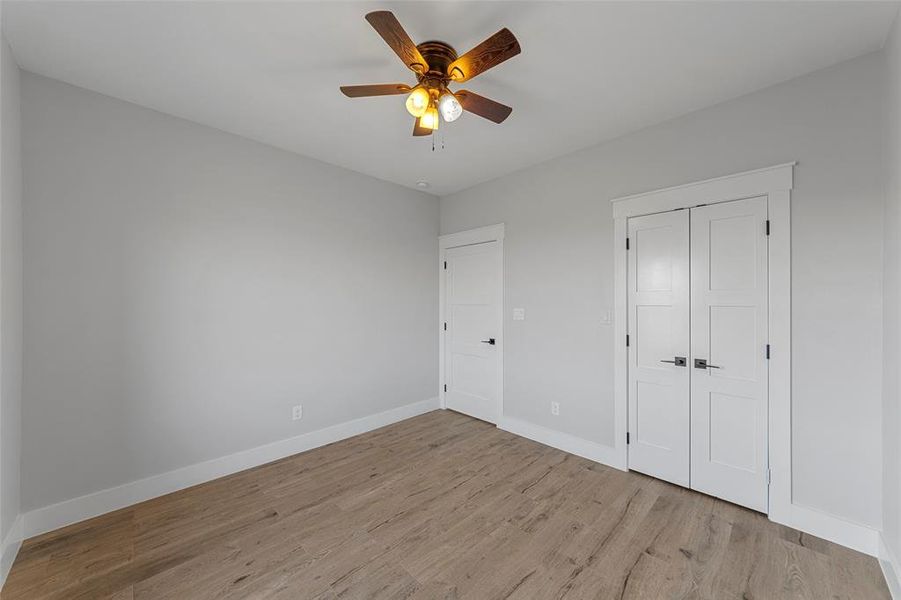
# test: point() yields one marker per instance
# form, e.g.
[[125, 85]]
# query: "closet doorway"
[[697, 327], [702, 307]]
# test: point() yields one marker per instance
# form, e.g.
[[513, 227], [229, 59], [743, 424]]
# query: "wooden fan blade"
[[376, 89], [419, 130], [482, 106], [490, 53], [387, 26]]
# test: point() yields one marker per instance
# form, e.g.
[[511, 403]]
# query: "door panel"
[[473, 312], [652, 400], [729, 331], [732, 251], [734, 341], [659, 330], [732, 427]]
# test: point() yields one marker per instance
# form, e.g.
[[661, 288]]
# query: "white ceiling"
[[588, 72]]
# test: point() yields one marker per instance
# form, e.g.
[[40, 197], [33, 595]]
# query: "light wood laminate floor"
[[440, 506]]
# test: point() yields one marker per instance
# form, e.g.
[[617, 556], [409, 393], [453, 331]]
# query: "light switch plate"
[[607, 317], [519, 314]]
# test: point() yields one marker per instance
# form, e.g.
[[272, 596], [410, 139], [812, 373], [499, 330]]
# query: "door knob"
[[701, 363], [488, 341], [679, 361]]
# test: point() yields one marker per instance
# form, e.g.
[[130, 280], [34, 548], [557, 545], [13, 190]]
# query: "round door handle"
[[488, 341]]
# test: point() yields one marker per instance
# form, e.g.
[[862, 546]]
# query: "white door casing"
[[658, 304], [471, 322], [729, 330], [775, 183]]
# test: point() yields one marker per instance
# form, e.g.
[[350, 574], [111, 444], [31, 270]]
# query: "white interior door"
[[729, 332], [658, 278], [473, 319]]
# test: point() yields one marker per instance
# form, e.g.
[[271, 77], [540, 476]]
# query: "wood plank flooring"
[[437, 507]]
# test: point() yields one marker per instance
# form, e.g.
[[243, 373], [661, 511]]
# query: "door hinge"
[[445, 265], [445, 387], [769, 477], [768, 227], [627, 340], [627, 243], [768, 352], [445, 327], [627, 438]]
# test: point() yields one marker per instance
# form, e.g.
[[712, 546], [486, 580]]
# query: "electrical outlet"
[[519, 314], [555, 409], [297, 413]]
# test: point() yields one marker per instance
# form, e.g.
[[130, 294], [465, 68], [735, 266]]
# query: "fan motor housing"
[[439, 55]]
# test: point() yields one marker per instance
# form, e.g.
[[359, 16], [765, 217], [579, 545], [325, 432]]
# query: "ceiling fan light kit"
[[430, 119], [450, 107], [437, 65], [418, 101]]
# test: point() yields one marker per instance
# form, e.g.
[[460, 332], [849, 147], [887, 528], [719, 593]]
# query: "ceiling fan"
[[437, 65]]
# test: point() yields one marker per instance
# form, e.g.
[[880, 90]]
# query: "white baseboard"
[[809, 520], [606, 455], [891, 569], [52, 517], [829, 527], [10, 548]]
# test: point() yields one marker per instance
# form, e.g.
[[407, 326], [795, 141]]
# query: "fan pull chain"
[[435, 134]]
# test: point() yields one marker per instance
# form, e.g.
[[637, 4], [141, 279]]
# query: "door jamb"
[[481, 235], [775, 183]]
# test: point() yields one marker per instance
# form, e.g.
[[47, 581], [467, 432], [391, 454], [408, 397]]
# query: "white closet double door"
[[698, 349]]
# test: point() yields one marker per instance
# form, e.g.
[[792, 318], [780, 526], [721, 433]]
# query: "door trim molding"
[[737, 186], [775, 183], [480, 235]]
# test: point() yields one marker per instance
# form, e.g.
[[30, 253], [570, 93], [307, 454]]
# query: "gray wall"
[[185, 287], [10, 289], [891, 427], [559, 266]]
